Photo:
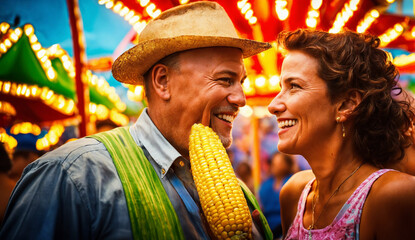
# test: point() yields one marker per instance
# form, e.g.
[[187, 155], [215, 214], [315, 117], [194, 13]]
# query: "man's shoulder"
[[72, 151], [75, 156]]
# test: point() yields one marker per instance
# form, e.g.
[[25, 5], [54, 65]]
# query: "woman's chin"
[[284, 148]]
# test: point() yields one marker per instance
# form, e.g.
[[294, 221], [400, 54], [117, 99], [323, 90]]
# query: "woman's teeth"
[[287, 123], [228, 118]]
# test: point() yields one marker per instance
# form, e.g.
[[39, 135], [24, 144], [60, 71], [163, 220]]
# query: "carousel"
[[56, 58]]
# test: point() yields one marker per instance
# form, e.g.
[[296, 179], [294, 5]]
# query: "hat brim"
[[132, 64]]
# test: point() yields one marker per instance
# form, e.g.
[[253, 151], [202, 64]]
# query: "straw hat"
[[196, 25]]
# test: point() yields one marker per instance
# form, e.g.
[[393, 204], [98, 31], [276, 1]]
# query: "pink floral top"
[[345, 225]]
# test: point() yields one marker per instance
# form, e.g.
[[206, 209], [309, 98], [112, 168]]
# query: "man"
[[136, 182]]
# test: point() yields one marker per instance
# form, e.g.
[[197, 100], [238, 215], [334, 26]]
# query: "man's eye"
[[227, 80]]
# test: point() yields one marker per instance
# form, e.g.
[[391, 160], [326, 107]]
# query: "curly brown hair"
[[349, 61]]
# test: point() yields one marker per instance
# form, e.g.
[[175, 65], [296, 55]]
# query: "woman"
[[335, 108], [281, 167]]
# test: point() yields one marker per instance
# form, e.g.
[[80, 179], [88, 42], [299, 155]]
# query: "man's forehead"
[[212, 51]]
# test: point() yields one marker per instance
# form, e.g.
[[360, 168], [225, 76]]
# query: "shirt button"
[[181, 163], [163, 171]]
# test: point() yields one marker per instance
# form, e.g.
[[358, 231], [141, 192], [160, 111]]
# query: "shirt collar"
[[145, 133]]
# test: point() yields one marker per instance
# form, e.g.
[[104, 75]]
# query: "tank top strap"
[[358, 198]]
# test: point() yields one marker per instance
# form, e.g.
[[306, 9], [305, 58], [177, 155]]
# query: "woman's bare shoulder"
[[390, 206], [394, 185], [293, 188]]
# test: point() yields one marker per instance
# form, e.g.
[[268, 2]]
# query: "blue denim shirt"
[[74, 192]]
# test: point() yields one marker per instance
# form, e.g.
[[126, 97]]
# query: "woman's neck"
[[332, 165]]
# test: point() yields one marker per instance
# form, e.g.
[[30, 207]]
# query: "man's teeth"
[[287, 123], [228, 118]]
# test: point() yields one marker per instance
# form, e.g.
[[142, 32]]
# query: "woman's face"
[[305, 114]]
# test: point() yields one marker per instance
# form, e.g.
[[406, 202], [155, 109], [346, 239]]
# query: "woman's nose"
[[277, 105]]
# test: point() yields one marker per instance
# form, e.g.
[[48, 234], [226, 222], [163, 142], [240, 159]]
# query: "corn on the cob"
[[220, 194]]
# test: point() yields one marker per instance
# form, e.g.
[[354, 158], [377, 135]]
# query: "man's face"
[[207, 88]]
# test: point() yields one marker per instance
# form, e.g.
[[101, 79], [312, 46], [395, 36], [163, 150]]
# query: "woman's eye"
[[293, 85]]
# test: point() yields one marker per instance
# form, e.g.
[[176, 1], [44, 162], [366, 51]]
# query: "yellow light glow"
[[7, 139], [19, 89], [246, 111], [51, 74], [129, 15], [53, 50], [6, 87], [70, 106], [398, 27], [109, 4], [253, 20], [184, 1], [4, 27], [33, 39], [36, 46], [390, 1], [92, 108], [241, 4], [274, 80], [3, 48], [41, 53], [121, 106], [283, 14], [49, 95], [139, 26], [117, 7], [311, 22], [374, 13], [313, 13], [101, 2], [134, 19], [124, 11], [34, 91], [246, 7], [44, 59], [61, 102], [14, 37], [260, 82], [7, 43], [18, 32], [316, 4], [24, 88], [28, 29], [281, 3], [144, 3], [101, 112], [249, 14]]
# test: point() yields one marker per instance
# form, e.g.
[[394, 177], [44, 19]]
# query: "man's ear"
[[160, 81], [348, 104]]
